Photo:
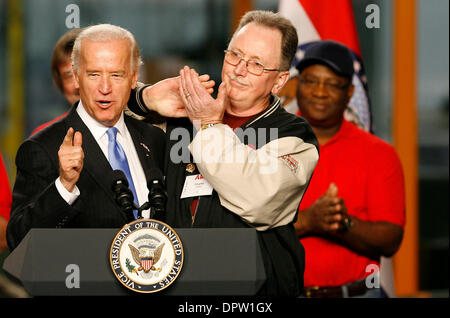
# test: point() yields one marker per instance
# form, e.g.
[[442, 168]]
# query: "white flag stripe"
[[293, 10]]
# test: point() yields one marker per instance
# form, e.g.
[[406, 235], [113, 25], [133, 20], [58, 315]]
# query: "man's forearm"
[[147, 98], [373, 239], [137, 101], [301, 226]]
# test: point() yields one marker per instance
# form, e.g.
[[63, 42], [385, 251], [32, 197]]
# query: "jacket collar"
[[268, 111]]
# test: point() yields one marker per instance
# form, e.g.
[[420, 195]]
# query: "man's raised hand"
[[71, 159], [164, 97]]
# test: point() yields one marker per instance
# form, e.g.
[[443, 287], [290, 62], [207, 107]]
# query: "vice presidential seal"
[[146, 255]]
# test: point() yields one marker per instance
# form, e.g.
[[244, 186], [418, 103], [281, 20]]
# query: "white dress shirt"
[[124, 138]]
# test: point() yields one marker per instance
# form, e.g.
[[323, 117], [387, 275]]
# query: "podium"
[[219, 261]]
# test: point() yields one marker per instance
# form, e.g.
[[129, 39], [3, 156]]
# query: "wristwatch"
[[206, 126], [348, 224]]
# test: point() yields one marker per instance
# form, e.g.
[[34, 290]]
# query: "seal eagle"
[[146, 258]]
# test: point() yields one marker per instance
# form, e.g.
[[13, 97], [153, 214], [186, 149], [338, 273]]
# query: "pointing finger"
[[78, 139], [68, 138]]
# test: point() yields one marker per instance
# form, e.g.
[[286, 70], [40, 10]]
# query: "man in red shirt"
[[5, 204], [61, 67], [354, 209]]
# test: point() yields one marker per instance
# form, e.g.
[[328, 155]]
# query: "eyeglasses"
[[253, 67], [312, 83]]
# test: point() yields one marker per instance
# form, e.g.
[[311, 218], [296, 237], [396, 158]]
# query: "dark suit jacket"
[[36, 201]]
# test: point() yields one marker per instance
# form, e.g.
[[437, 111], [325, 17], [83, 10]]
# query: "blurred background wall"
[[173, 33]]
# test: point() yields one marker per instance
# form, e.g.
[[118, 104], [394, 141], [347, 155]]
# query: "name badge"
[[195, 186]]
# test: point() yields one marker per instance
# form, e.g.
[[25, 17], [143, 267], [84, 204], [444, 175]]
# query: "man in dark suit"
[[65, 172]]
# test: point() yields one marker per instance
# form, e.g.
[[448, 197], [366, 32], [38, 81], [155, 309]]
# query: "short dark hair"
[[61, 53], [289, 38]]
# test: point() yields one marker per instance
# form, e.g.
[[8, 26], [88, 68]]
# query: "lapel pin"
[[190, 167]]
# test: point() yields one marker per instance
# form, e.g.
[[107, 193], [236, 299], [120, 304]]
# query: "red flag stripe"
[[334, 20]]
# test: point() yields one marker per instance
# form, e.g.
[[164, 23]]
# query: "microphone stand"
[[144, 207], [157, 196]]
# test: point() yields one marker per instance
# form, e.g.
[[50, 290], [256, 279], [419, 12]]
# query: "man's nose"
[[105, 85], [241, 68], [320, 90]]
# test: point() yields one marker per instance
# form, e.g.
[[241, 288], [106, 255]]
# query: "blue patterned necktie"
[[118, 160]]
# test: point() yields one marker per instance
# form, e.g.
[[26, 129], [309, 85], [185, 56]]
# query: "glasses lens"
[[255, 67], [252, 66], [232, 57]]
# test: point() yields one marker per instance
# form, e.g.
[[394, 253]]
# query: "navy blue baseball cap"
[[329, 53]]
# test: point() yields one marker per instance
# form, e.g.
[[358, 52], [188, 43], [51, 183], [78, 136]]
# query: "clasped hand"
[[200, 106], [327, 214]]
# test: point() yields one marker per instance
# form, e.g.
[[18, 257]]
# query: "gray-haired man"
[[64, 172]]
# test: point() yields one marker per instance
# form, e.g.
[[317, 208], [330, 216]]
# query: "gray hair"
[[105, 33], [289, 38]]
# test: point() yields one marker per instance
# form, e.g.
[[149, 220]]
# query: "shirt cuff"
[[69, 197]]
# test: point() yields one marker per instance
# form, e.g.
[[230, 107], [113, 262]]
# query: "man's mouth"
[[104, 103], [319, 106]]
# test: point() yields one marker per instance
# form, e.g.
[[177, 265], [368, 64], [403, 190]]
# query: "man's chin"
[[237, 93], [107, 121]]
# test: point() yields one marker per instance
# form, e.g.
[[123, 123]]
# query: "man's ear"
[[282, 79], [134, 79], [75, 76], [351, 90]]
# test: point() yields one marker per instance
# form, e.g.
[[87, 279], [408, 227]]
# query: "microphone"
[[157, 195], [123, 195]]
